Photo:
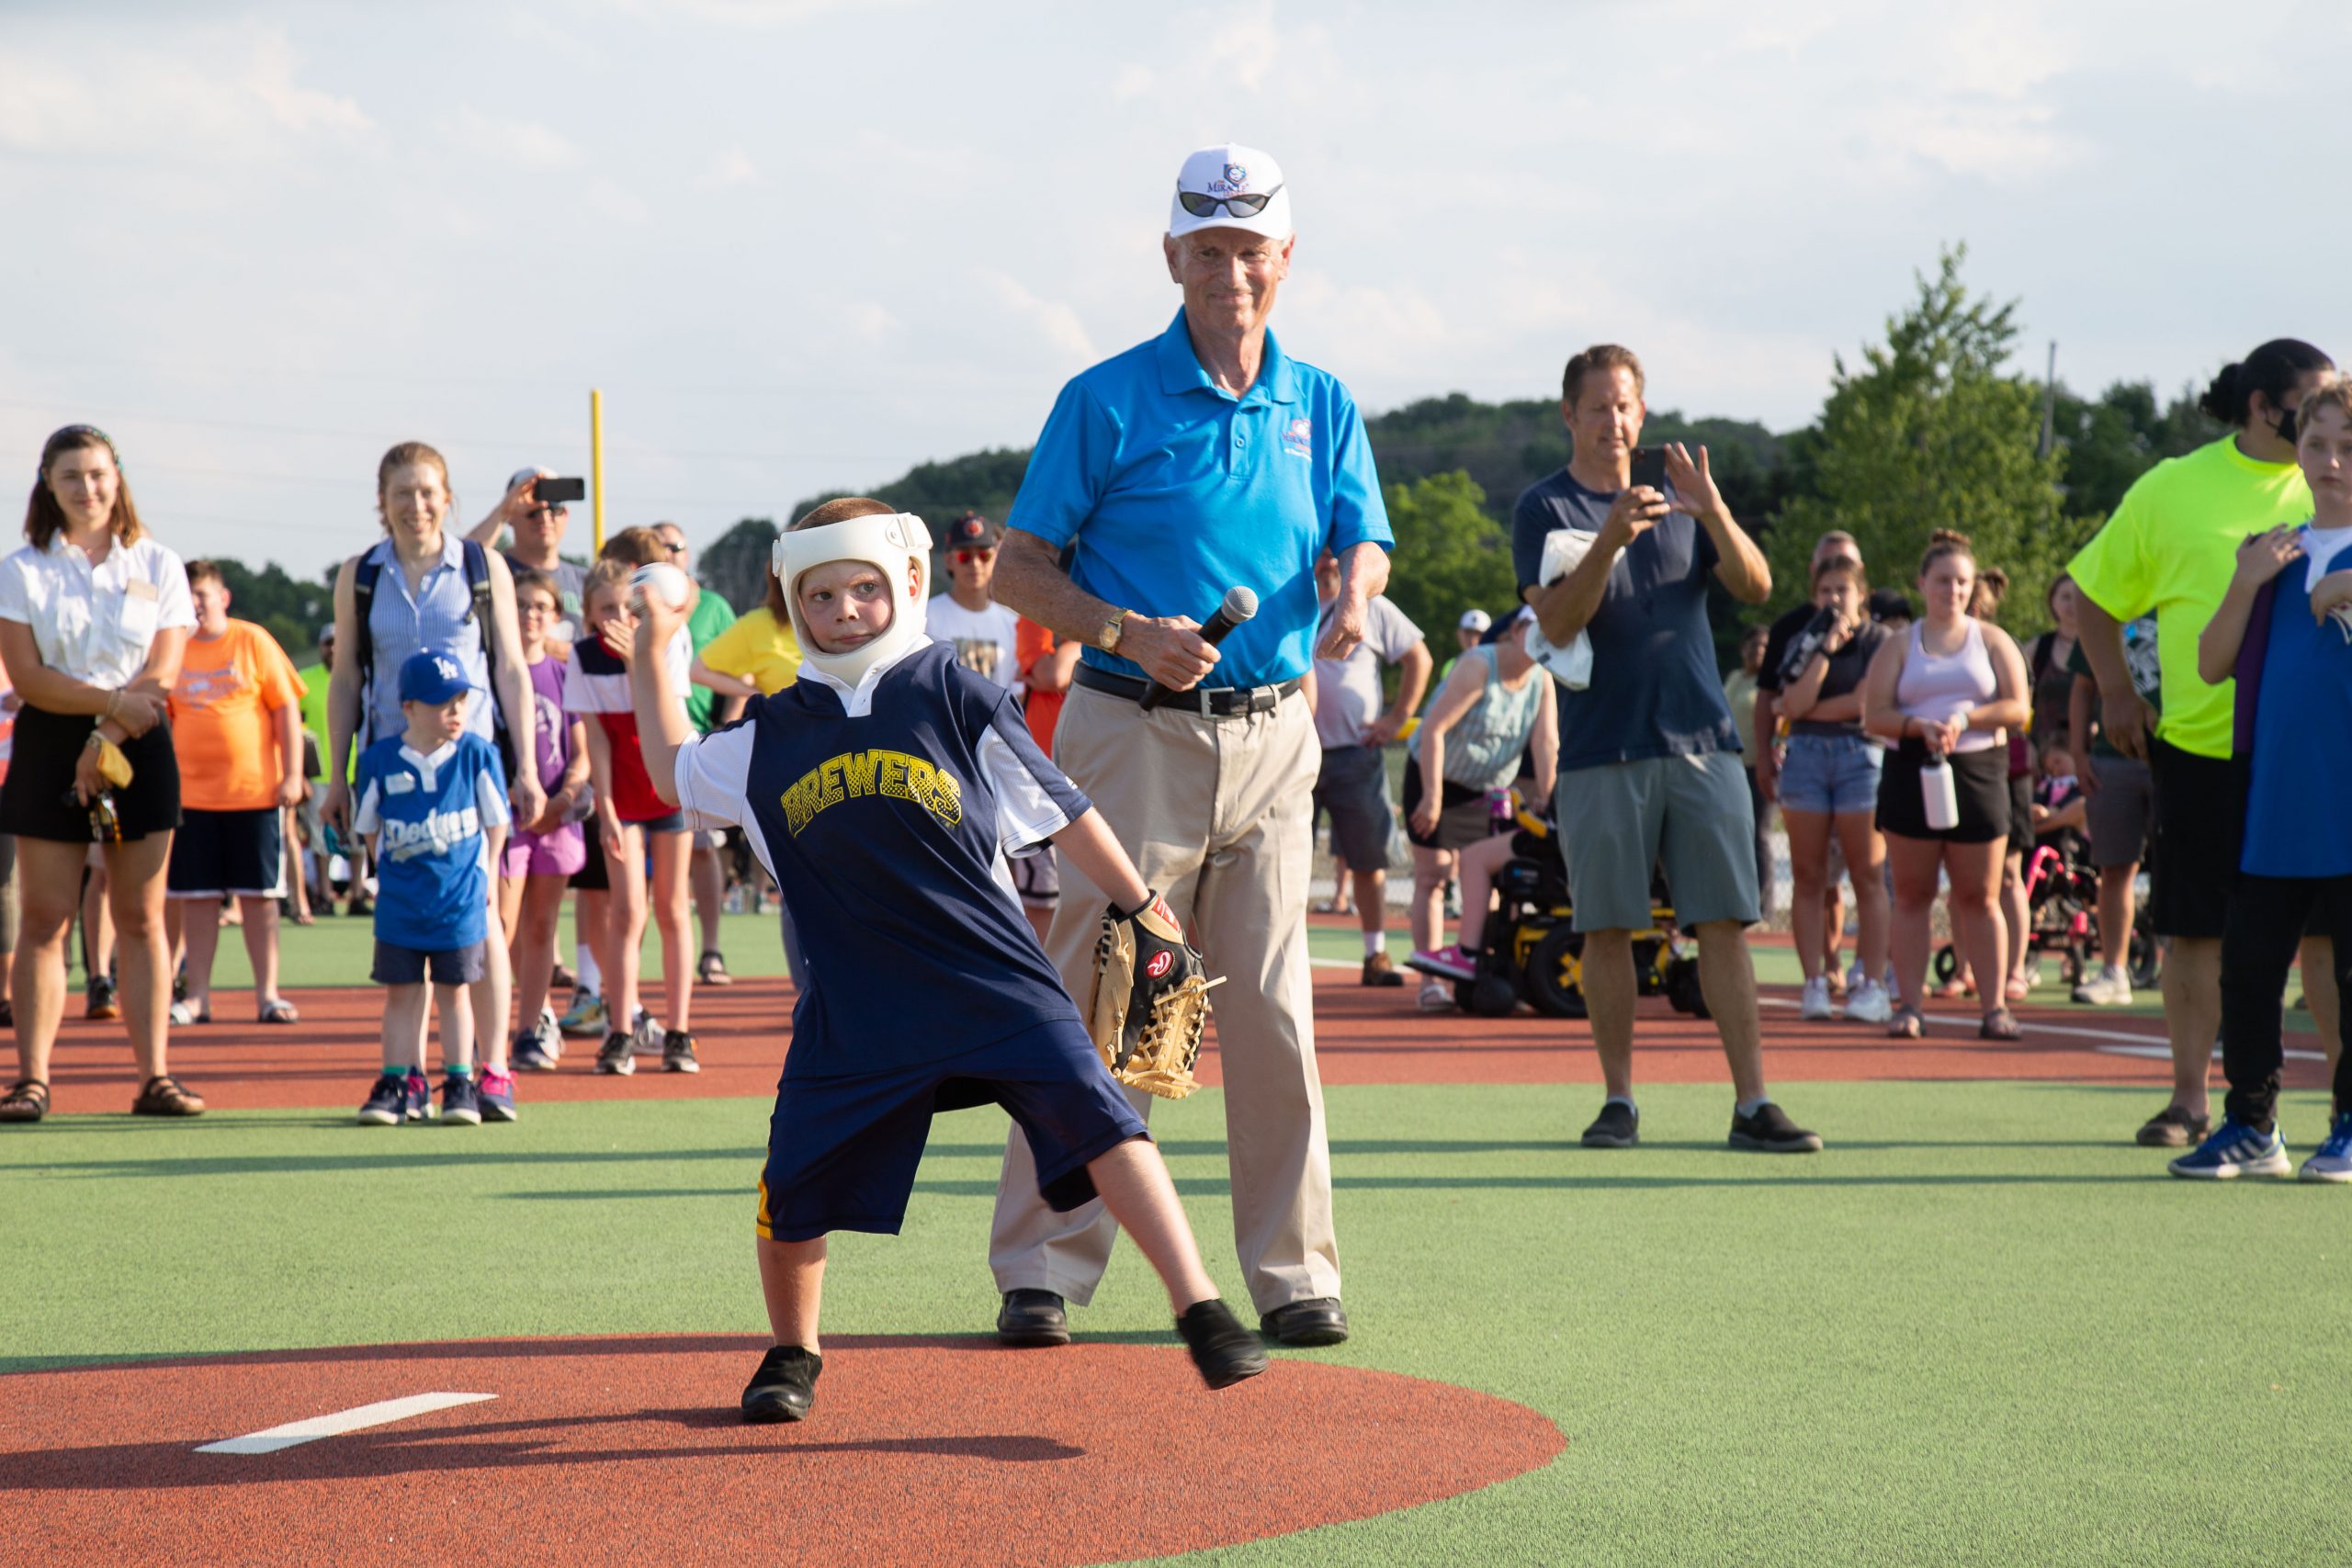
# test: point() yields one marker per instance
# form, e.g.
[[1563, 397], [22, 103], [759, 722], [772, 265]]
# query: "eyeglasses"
[[966, 558], [1201, 206], [674, 549]]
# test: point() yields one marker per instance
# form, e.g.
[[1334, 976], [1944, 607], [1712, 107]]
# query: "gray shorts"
[[2120, 813], [1692, 813], [1354, 787]]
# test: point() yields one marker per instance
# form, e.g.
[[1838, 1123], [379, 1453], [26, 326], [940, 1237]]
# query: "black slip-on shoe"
[[785, 1386], [1032, 1318], [1302, 1325], [2173, 1128], [1225, 1352], [1770, 1132], [1619, 1126]]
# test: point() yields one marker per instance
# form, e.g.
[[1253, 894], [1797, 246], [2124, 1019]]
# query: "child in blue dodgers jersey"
[[433, 806], [880, 791], [2284, 629]]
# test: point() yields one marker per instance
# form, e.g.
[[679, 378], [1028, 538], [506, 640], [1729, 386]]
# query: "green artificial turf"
[[1980, 1329]]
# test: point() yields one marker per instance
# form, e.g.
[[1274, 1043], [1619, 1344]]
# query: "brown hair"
[[205, 572], [1946, 542], [401, 457], [530, 579], [1843, 566], [45, 519], [1992, 587], [774, 585], [2332, 393], [1600, 356], [608, 572], [637, 546], [840, 509]]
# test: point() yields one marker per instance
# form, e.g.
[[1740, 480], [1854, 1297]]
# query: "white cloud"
[[1056, 324], [1133, 82], [520, 144], [733, 167], [219, 91]]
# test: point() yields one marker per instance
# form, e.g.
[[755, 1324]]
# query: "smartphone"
[[560, 492], [1649, 468]]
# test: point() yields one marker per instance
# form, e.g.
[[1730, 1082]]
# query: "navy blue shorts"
[[842, 1151], [397, 965]]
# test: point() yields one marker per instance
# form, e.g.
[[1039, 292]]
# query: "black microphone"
[[1239, 605]]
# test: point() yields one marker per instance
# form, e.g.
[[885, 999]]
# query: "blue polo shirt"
[[1177, 491]]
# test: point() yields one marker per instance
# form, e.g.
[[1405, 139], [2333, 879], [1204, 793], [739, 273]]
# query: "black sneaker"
[[1619, 1126], [1225, 1352], [1770, 1132], [2173, 1128], [786, 1385], [619, 1054], [678, 1052]]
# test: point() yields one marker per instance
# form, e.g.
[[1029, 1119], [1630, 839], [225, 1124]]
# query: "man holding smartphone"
[[534, 510], [1649, 763]]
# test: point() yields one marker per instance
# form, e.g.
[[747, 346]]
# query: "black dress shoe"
[[1316, 1320], [1223, 1350], [785, 1386], [1032, 1318]]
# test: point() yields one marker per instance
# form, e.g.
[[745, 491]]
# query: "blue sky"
[[804, 245]]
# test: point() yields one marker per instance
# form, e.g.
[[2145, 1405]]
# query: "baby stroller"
[[2062, 903], [1534, 953]]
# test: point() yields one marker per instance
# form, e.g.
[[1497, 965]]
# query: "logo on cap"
[[447, 668], [1236, 174]]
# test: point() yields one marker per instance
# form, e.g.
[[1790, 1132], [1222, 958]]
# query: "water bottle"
[[1941, 799]]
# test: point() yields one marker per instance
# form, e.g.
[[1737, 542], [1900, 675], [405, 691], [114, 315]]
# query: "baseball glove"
[[1151, 1000]]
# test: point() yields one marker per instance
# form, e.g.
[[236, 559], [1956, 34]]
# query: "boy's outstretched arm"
[[1095, 850], [662, 726]]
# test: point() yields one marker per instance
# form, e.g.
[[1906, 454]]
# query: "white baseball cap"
[[1235, 187], [1475, 621]]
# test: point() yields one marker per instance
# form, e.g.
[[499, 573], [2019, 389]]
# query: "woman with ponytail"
[[2170, 550]]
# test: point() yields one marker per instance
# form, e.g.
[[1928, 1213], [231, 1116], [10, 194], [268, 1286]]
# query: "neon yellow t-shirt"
[[2171, 547], [757, 648]]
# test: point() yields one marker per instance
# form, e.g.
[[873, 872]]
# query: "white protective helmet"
[[887, 542]]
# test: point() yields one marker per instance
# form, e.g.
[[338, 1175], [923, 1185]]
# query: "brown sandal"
[[27, 1100], [2000, 1025], [1906, 1024], [163, 1096]]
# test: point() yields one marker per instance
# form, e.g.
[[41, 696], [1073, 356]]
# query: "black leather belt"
[[1209, 701]]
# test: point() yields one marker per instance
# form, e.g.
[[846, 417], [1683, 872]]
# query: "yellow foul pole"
[[596, 463]]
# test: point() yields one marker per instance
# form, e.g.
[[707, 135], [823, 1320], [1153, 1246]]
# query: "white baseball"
[[662, 578]]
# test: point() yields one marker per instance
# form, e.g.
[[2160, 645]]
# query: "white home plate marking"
[[353, 1420]]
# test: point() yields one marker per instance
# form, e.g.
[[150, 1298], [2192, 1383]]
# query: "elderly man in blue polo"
[[1203, 460]]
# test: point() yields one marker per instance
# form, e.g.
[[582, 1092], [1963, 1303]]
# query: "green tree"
[[1931, 431], [1450, 556], [2113, 439], [735, 565]]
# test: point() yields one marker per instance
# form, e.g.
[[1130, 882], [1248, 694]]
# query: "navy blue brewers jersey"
[[882, 829]]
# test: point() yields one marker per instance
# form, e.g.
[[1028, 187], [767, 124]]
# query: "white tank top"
[[1940, 686]]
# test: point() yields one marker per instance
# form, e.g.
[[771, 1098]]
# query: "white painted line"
[[2163, 1053], [377, 1415]]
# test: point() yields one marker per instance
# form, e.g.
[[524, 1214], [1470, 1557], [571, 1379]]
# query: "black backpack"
[[363, 600]]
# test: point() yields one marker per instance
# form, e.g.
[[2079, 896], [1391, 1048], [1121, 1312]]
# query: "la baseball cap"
[[431, 677], [1230, 187], [969, 532], [1476, 621]]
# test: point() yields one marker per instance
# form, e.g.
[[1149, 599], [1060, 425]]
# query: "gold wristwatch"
[[1107, 639]]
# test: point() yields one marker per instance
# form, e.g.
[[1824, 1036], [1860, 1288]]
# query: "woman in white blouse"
[[93, 618]]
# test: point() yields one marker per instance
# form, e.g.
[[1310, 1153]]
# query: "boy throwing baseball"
[[879, 792]]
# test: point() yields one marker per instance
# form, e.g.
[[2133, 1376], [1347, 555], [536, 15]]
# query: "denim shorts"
[[1830, 774]]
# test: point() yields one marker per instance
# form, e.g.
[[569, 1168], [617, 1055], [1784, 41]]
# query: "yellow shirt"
[[757, 648], [2171, 547]]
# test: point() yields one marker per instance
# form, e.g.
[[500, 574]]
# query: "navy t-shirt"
[[1655, 692], [882, 830]]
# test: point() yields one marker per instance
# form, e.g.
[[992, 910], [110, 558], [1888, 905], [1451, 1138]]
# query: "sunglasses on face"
[[1201, 206], [966, 558]]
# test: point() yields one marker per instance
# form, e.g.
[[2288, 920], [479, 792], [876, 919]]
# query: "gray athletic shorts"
[[2119, 815], [1692, 813], [1354, 787]]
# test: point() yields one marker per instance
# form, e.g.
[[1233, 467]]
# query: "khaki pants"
[[1216, 813]]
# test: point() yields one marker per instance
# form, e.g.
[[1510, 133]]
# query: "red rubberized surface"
[[609, 1451], [1362, 1036]]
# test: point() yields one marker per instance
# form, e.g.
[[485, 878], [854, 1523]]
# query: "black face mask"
[[2286, 426]]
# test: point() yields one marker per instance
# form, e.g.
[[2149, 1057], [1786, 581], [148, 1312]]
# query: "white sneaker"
[[647, 1035], [1436, 996], [1868, 1003], [1855, 981], [1815, 1003], [551, 1033], [2110, 987]]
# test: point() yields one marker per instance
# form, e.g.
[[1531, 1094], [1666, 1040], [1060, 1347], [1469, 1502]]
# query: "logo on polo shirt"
[[1298, 437], [886, 775]]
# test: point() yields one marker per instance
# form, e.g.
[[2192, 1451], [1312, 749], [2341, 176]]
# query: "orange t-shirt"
[[222, 726], [1031, 643]]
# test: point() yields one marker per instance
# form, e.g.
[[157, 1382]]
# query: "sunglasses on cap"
[[1201, 206]]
